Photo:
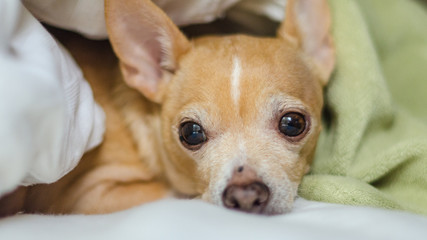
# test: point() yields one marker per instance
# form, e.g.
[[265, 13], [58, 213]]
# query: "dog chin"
[[282, 198], [280, 203], [278, 207]]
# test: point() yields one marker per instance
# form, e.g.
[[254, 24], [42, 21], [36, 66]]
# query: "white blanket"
[[193, 219], [87, 17], [48, 117]]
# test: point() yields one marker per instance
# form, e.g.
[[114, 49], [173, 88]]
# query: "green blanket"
[[373, 148]]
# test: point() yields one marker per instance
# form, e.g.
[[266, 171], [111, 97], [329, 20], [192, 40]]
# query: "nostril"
[[229, 199], [234, 204], [264, 192], [257, 203], [249, 198]]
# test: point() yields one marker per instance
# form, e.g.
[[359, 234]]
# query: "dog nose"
[[250, 198], [246, 191]]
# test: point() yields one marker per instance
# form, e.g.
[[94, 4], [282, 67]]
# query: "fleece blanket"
[[373, 149]]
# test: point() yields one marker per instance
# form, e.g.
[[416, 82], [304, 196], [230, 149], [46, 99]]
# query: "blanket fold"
[[373, 148]]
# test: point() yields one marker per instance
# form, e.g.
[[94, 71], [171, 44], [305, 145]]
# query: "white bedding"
[[193, 219], [48, 117], [87, 17]]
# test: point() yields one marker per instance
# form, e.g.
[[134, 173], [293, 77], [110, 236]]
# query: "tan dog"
[[233, 120]]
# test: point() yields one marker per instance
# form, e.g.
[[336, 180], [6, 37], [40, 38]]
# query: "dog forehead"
[[243, 69]]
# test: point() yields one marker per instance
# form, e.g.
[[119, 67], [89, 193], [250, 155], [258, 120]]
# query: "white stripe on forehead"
[[235, 81]]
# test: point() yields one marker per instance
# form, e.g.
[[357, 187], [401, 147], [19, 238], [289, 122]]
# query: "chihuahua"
[[233, 120]]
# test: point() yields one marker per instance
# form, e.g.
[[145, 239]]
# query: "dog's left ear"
[[307, 25], [147, 43]]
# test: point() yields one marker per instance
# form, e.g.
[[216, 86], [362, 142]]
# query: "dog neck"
[[142, 117]]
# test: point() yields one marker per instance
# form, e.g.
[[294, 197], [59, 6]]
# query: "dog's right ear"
[[147, 43], [308, 26]]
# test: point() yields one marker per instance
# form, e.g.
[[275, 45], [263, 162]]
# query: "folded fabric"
[[373, 148], [48, 117], [87, 17]]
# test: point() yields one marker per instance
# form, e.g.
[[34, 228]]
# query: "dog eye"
[[191, 134], [292, 124]]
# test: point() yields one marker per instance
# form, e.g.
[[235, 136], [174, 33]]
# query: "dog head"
[[240, 115]]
